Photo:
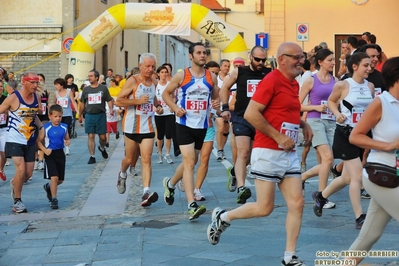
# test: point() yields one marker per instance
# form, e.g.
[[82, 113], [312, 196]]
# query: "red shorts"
[[112, 127]]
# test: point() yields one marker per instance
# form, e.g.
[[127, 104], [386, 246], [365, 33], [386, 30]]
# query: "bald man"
[[274, 111], [247, 79]]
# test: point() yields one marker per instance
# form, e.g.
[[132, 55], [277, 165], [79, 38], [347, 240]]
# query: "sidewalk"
[[97, 226]]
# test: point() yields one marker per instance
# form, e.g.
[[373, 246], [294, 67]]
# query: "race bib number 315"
[[196, 105]]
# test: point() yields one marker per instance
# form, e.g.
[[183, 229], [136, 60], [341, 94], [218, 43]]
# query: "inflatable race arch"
[[167, 19]]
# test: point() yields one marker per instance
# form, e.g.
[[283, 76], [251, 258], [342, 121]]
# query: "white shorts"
[[273, 165], [3, 132]]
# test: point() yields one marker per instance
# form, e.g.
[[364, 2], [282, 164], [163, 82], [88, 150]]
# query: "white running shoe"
[[40, 165], [329, 205], [168, 158], [67, 150], [133, 171], [198, 195], [180, 185], [36, 164], [160, 159]]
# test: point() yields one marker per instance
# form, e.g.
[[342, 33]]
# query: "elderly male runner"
[[23, 106], [274, 112], [138, 98]]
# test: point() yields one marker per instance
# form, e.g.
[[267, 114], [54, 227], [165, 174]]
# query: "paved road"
[[97, 226]]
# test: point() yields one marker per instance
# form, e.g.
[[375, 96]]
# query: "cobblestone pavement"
[[97, 226]]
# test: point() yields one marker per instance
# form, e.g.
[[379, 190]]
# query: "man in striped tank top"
[[23, 106], [138, 98], [195, 86]]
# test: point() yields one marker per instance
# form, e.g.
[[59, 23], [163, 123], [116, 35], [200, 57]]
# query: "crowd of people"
[[262, 110]]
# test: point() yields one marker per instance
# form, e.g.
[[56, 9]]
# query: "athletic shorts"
[[342, 148], [112, 127], [96, 123], [165, 126], [210, 134], [55, 165], [20, 150], [241, 127], [139, 137], [187, 135], [274, 165], [323, 131]]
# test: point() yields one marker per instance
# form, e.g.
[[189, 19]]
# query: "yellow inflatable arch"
[[168, 19]]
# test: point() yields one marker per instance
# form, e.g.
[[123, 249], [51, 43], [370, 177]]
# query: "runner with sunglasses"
[[247, 79]]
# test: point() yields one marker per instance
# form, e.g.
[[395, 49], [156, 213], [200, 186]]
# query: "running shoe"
[[148, 198], [195, 211], [329, 205], [318, 203], [303, 168], [107, 145], [7, 163], [104, 153], [180, 185], [198, 195], [40, 165], [92, 160], [169, 195], [121, 184], [48, 192], [294, 262], [117, 135], [232, 180], [67, 150], [160, 159], [219, 157], [3, 176], [334, 172], [303, 188], [223, 155], [54, 204], [12, 189], [364, 194], [34, 166], [168, 158], [360, 221], [244, 193], [19, 207], [216, 227]]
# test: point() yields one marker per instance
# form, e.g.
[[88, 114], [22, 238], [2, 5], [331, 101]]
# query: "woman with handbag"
[[380, 174], [347, 102]]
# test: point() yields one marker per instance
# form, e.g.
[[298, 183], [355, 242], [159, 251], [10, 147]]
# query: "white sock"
[[288, 256], [146, 189], [224, 217], [123, 175], [170, 184]]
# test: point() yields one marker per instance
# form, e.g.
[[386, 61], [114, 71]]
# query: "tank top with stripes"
[[21, 125], [194, 96], [138, 119]]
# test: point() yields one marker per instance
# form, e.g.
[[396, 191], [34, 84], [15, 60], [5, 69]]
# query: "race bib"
[[197, 106], [377, 91], [290, 130], [356, 115], [62, 102], [145, 109], [251, 87], [3, 119], [44, 108], [327, 114], [94, 98]]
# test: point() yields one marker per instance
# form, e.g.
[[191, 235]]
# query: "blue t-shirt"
[[55, 135]]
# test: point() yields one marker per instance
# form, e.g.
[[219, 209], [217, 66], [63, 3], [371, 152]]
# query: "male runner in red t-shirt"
[[274, 111]]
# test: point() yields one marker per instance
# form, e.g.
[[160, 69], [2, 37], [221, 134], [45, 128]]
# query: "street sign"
[[302, 32], [66, 44], [262, 39]]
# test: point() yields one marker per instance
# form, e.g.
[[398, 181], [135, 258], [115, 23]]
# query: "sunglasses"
[[257, 59], [296, 57]]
